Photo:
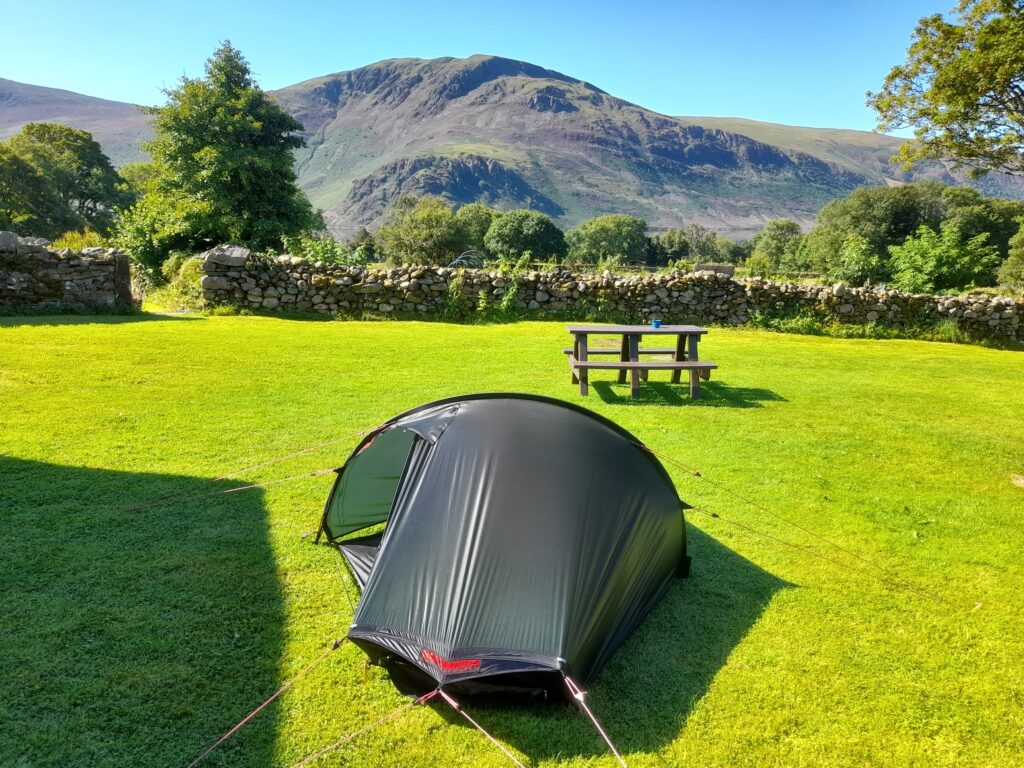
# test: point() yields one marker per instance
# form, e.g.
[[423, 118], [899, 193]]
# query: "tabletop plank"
[[691, 330]]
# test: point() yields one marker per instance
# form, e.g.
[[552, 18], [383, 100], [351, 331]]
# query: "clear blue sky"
[[802, 63]]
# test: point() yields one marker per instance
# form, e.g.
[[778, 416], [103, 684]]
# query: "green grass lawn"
[[137, 636]]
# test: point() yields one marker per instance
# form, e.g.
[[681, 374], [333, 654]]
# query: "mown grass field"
[[136, 636]]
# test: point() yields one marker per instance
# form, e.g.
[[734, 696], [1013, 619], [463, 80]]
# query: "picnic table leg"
[[694, 384], [576, 354], [634, 374], [636, 356], [584, 378], [680, 356], [692, 355], [623, 357]]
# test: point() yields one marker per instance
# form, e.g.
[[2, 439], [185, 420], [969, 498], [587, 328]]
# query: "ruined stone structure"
[[33, 276]]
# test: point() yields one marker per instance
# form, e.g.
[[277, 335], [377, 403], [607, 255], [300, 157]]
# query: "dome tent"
[[524, 539]]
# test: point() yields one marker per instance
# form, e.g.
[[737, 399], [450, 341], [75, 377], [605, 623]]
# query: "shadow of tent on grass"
[[714, 394], [133, 637], [646, 692]]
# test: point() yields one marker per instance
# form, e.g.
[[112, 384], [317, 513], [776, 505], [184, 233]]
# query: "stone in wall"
[[287, 283]]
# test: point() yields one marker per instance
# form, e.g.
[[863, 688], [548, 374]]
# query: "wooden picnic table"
[[685, 355]]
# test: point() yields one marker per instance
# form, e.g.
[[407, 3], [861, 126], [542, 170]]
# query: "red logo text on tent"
[[456, 665]]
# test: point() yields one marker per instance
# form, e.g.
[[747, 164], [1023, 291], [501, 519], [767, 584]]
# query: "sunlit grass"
[[137, 636]]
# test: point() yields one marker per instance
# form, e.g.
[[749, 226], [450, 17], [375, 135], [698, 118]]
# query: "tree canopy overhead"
[[961, 89], [223, 167]]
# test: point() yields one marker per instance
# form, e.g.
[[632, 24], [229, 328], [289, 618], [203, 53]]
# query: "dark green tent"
[[524, 539]]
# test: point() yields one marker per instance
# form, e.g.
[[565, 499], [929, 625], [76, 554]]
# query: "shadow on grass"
[[713, 394], [133, 637], [73, 318], [646, 692]]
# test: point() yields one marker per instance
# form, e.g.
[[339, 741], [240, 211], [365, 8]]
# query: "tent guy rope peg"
[[458, 708], [581, 696]]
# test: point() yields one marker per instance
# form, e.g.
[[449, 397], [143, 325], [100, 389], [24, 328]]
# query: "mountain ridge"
[[513, 134]]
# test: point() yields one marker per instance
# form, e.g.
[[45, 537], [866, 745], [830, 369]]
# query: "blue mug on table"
[[655, 323]]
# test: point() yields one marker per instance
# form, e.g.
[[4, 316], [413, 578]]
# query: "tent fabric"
[[366, 490], [524, 536], [360, 555]]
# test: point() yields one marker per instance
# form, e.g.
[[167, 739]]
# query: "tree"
[[934, 261], [609, 239], [422, 230], [729, 251], [1011, 272], [519, 232], [74, 164], [775, 245], [703, 242], [224, 167], [886, 216], [882, 216], [29, 203], [476, 219], [671, 244], [139, 177], [961, 89], [857, 263], [974, 214]]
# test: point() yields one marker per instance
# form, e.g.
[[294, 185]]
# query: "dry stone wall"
[[33, 276], [235, 276]]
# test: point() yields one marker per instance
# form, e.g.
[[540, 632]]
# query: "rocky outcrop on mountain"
[[461, 179], [563, 146]]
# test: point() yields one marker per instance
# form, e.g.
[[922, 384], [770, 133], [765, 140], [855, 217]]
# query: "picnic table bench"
[[684, 355]]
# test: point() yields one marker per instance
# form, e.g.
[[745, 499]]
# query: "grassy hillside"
[[135, 635], [861, 152], [117, 126]]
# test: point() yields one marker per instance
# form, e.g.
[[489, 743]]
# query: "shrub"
[[931, 261], [182, 291], [760, 265], [857, 262], [329, 251], [422, 230], [1011, 273], [77, 240], [172, 266]]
